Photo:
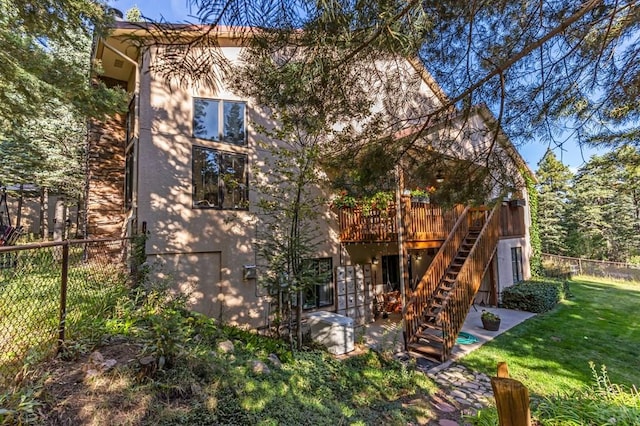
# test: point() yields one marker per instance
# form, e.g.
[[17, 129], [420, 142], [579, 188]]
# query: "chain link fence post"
[[64, 281]]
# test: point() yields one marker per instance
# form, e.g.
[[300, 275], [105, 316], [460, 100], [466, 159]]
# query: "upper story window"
[[218, 120]]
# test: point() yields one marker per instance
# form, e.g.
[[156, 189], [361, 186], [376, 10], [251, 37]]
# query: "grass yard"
[[550, 353]]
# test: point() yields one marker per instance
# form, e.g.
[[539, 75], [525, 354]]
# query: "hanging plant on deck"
[[422, 194], [343, 200], [380, 200]]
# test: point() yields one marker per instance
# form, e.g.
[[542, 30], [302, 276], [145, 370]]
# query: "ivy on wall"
[[534, 231]]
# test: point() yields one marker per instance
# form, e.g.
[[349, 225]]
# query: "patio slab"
[[386, 334], [509, 318]]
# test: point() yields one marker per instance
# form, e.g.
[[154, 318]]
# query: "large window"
[[320, 293], [516, 264], [218, 120], [219, 179]]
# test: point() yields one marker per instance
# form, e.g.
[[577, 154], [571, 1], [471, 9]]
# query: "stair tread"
[[431, 326], [429, 337], [429, 350]]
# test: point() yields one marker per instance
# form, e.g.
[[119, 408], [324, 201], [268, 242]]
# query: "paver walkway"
[[466, 387]]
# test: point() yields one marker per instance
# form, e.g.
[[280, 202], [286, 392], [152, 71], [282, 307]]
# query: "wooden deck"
[[426, 225]]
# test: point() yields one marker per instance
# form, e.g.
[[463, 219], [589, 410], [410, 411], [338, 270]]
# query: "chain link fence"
[[56, 292], [567, 266]]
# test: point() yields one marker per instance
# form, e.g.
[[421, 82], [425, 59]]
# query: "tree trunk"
[[19, 212], [44, 214]]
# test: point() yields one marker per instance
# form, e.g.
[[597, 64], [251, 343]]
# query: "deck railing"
[[422, 222], [421, 296], [468, 280], [359, 225], [429, 221]]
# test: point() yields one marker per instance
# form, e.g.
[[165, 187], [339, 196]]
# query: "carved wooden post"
[[503, 370], [512, 399]]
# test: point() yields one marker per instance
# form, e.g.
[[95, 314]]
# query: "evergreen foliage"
[[45, 92], [553, 193], [593, 214], [548, 68]]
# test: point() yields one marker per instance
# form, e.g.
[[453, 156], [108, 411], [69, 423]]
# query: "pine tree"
[[553, 191], [32, 74]]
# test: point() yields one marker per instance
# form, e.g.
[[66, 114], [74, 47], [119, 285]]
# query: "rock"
[[108, 364], [275, 361], [458, 394], [96, 358], [147, 360], [444, 407], [259, 367], [226, 347], [447, 422]]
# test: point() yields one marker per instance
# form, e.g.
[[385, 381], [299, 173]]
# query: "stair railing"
[[457, 304], [420, 297]]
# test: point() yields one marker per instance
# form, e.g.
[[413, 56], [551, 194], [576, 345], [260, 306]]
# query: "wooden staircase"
[[439, 305]]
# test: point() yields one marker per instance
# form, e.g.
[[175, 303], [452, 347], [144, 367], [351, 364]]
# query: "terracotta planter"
[[491, 325]]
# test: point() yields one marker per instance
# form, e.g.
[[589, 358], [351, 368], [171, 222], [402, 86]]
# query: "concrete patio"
[[386, 334]]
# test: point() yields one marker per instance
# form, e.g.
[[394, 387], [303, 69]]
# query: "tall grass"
[[30, 292]]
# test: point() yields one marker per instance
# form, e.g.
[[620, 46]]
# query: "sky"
[[178, 11]]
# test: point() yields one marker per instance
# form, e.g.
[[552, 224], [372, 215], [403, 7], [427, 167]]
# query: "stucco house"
[[163, 169]]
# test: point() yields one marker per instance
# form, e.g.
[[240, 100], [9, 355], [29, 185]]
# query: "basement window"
[[516, 264], [320, 293]]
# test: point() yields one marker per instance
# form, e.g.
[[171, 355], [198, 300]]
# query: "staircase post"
[[402, 252]]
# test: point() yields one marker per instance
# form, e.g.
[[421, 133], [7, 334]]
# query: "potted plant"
[[490, 321], [422, 195]]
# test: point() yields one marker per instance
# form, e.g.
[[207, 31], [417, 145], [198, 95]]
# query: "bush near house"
[[539, 295]]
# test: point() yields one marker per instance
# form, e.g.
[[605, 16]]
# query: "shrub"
[[535, 295]]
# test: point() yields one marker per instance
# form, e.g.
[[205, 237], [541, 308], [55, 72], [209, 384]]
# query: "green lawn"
[[550, 353], [30, 304]]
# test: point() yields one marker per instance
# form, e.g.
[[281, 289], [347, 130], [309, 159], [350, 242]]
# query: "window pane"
[[325, 289], [206, 172], [234, 131], [233, 182], [321, 292], [205, 119], [516, 264], [128, 180]]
